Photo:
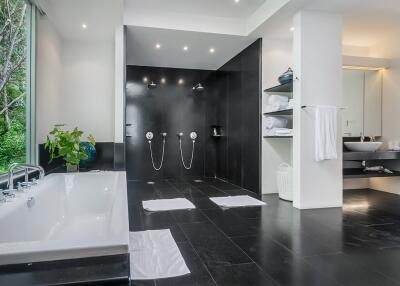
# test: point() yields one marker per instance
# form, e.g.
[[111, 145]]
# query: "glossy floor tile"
[[275, 244]]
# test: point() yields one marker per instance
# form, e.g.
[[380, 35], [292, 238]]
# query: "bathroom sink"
[[363, 146]]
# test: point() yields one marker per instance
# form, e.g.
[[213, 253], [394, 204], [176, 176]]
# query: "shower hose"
[[162, 156], [191, 159]]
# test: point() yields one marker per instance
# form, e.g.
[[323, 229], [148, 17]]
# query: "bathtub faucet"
[[26, 168]]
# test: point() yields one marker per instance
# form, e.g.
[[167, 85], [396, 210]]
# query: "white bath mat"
[[155, 255], [167, 205], [237, 201]]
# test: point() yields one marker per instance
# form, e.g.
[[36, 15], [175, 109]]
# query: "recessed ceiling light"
[[181, 81], [145, 79], [291, 29], [158, 46], [212, 50], [237, 1], [84, 26], [185, 48], [163, 80]]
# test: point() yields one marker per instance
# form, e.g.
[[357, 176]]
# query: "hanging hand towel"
[[325, 133]]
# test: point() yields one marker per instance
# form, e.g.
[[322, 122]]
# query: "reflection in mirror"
[[362, 95]]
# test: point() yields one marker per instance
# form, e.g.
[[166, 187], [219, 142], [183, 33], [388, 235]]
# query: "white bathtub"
[[66, 216]]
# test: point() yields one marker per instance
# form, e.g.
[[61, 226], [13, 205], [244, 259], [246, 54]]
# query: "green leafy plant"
[[66, 145]]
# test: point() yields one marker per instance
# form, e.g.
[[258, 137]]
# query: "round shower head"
[[198, 87], [152, 85]]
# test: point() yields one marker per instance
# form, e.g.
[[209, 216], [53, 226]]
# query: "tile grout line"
[[194, 249], [265, 273]]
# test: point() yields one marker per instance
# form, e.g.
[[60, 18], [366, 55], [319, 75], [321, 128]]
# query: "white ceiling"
[[365, 22], [213, 8], [141, 48], [100, 16]]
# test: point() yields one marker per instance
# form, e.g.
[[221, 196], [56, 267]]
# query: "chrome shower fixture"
[[149, 137], [193, 137], [198, 87], [152, 85]]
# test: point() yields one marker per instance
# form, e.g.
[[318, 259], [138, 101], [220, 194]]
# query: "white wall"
[[87, 96], [318, 67], [48, 76], [75, 84], [276, 58]]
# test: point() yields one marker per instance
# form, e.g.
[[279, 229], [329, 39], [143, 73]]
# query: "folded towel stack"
[[279, 132], [277, 126], [276, 102], [275, 122], [291, 104]]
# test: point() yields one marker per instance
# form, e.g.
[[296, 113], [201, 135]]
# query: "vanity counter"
[[366, 156]]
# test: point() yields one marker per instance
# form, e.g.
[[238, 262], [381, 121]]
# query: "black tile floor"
[[275, 244]]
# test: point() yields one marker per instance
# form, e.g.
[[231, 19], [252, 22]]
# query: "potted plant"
[[67, 145]]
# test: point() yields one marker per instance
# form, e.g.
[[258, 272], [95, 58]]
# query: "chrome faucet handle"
[[8, 194], [362, 137], [372, 138]]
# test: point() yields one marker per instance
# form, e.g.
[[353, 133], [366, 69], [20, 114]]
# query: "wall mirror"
[[362, 95]]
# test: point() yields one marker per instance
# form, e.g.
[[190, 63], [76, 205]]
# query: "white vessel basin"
[[363, 146]]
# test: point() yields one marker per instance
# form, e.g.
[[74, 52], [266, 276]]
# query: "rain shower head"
[[152, 85], [198, 87]]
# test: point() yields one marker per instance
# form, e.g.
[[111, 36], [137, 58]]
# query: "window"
[[16, 78]]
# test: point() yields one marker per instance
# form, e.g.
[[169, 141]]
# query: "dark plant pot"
[[73, 169]]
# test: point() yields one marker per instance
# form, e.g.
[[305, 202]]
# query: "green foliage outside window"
[[13, 70]]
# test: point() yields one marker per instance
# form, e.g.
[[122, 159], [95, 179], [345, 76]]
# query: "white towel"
[[276, 106], [275, 98], [275, 122], [155, 255], [325, 133], [279, 132], [167, 205], [237, 201]]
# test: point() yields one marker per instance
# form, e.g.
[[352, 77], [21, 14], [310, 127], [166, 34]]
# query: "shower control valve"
[[193, 135], [149, 136]]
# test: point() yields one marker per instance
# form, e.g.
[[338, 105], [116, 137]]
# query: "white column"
[[119, 85], [317, 45]]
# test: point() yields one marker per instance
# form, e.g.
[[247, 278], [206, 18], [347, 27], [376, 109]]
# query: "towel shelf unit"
[[278, 136], [280, 112], [287, 87]]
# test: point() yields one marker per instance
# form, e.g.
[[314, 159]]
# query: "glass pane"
[[14, 80]]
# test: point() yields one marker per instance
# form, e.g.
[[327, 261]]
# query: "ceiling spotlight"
[[291, 29], [84, 26], [163, 80], [158, 46], [212, 50], [185, 48], [145, 79], [237, 1], [180, 81]]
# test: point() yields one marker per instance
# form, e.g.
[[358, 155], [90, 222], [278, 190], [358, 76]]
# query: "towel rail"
[[313, 106]]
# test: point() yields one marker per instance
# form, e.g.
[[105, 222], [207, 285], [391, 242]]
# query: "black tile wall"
[[231, 99]]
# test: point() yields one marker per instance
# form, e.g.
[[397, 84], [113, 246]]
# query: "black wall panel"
[[231, 99], [171, 108]]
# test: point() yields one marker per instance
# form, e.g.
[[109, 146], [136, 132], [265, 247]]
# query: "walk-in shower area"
[[183, 123]]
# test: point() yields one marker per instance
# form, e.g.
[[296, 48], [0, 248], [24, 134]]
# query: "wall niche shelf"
[[280, 112], [287, 87]]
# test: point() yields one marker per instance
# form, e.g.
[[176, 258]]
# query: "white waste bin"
[[284, 177]]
